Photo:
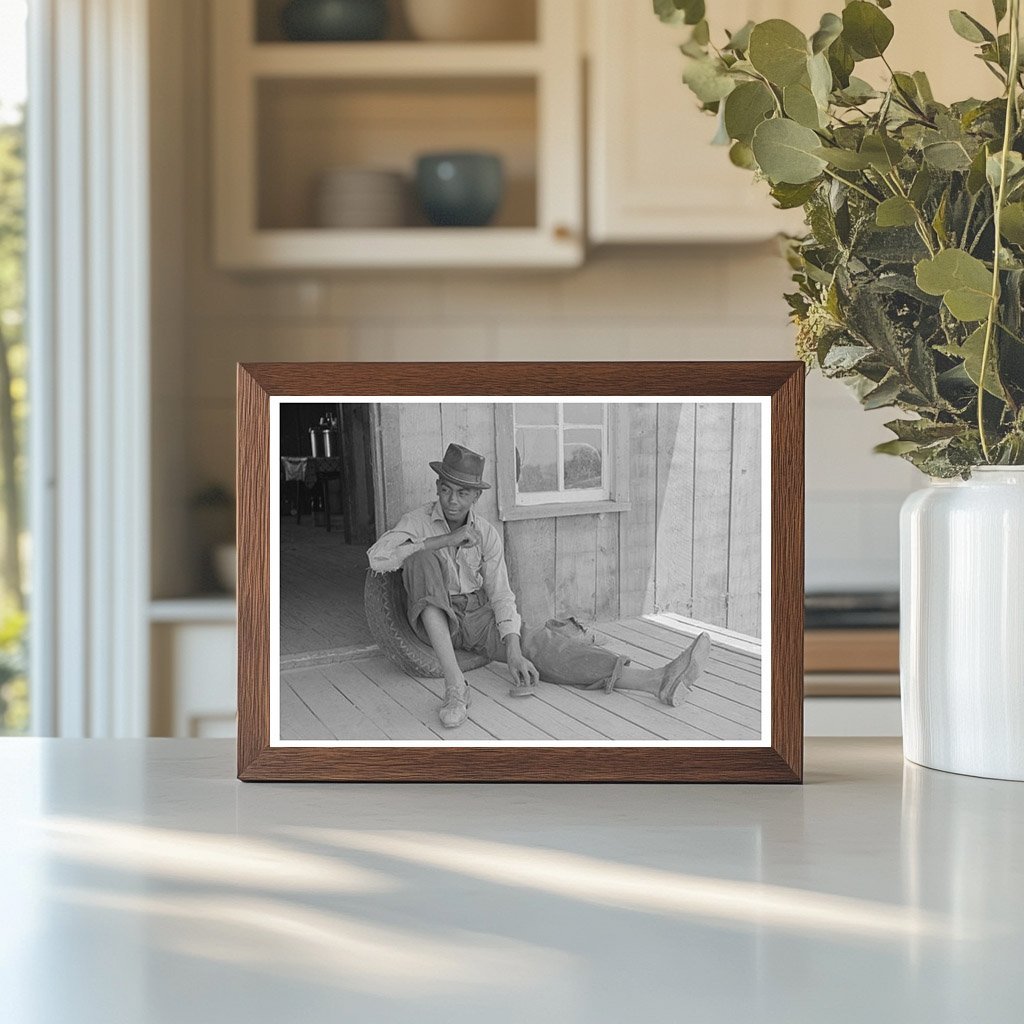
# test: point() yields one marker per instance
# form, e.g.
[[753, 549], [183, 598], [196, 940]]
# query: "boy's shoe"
[[682, 672], [573, 629], [455, 708]]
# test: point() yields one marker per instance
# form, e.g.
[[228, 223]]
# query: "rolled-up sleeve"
[[497, 586], [395, 546]]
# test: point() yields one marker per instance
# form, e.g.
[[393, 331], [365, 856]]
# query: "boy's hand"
[[465, 536], [524, 672]]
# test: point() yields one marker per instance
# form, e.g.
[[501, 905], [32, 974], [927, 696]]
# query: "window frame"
[[510, 505]]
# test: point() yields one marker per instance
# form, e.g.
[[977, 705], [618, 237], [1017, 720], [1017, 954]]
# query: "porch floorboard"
[[370, 698]]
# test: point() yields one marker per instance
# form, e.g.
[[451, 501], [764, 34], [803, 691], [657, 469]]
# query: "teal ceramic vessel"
[[460, 189], [334, 21]]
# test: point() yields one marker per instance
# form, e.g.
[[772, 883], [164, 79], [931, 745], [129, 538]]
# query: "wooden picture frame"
[[777, 386]]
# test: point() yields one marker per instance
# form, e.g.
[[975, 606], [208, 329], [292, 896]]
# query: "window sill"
[[562, 508]]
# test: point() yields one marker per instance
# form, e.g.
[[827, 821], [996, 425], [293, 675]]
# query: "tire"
[[384, 602]]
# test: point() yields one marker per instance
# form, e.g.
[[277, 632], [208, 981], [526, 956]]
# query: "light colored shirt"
[[472, 567]]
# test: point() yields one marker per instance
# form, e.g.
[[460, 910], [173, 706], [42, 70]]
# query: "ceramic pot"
[[471, 20], [460, 189], [225, 566], [334, 20], [962, 624]]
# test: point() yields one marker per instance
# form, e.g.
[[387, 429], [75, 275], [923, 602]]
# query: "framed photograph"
[[563, 572]]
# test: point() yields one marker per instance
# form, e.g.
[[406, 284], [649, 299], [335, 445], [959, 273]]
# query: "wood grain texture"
[[787, 619], [529, 544], [576, 567], [606, 567], [743, 612], [638, 526], [712, 501], [421, 440], [471, 424], [781, 762], [673, 555], [252, 485]]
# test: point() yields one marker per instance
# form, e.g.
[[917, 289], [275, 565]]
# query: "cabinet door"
[[653, 174], [285, 114]]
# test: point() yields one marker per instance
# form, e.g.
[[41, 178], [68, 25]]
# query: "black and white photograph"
[[530, 572]]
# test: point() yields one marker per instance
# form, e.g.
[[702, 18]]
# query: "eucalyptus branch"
[[993, 308], [923, 228], [977, 238], [853, 185]]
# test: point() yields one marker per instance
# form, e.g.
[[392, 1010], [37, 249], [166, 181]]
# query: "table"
[[313, 471], [144, 884]]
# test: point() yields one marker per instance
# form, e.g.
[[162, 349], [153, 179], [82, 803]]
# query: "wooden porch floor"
[[371, 699]]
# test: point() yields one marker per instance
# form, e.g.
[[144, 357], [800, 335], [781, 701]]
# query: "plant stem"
[[855, 187], [922, 225], [993, 309]]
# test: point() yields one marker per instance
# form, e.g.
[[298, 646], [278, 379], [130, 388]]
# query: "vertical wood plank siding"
[[690, 543]]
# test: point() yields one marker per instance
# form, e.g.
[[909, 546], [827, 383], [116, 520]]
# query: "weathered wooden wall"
[[691, 542]]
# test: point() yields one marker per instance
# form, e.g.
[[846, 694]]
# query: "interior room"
[[191, 185]]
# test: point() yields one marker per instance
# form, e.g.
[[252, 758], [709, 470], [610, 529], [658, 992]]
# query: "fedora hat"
[[461, 466]]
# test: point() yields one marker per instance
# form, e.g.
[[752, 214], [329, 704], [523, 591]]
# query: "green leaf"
[[820, 75], [739, 41], [883, 153], [789, 197], [866, 29], [841, 60], [896, 212], [946, 156], [676, 12], [885, 394], [708, 81], [963, 281], [976, 174], [895, 447], [785, 152], [1011, 226], [721, 136], [968, 28], [778, 50], [923, 431], [701, 33], [924, 88], [999, 7], [742, 155], [830, 28], [858, 91], [844, 159], [939, 220], [800, 105], [921, 185], [994, 167], [971, 352], [745, 108]]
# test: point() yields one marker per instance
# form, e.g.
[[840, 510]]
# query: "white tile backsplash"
[[715, 302]]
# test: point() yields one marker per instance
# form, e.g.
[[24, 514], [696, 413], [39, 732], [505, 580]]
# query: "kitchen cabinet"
[[193, 673], [653, 175], [287, 113]]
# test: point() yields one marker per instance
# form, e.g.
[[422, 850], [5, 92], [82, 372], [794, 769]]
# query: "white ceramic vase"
[[962, 624]]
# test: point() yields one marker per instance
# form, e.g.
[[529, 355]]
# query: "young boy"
[[459, 597]]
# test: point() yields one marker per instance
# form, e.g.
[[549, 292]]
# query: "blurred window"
[[14, 548], [561, 452]]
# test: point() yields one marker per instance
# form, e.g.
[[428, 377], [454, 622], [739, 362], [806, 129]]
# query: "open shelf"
[[393, 60], [520, 16], [287, 113], [308, 127]]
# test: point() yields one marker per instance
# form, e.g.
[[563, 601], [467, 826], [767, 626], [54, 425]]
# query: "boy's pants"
[[558, 659]]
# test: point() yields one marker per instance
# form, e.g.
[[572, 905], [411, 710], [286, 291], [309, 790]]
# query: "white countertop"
[[143, 885]]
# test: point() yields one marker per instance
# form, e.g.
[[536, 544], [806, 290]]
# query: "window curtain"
[[88, 321]]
